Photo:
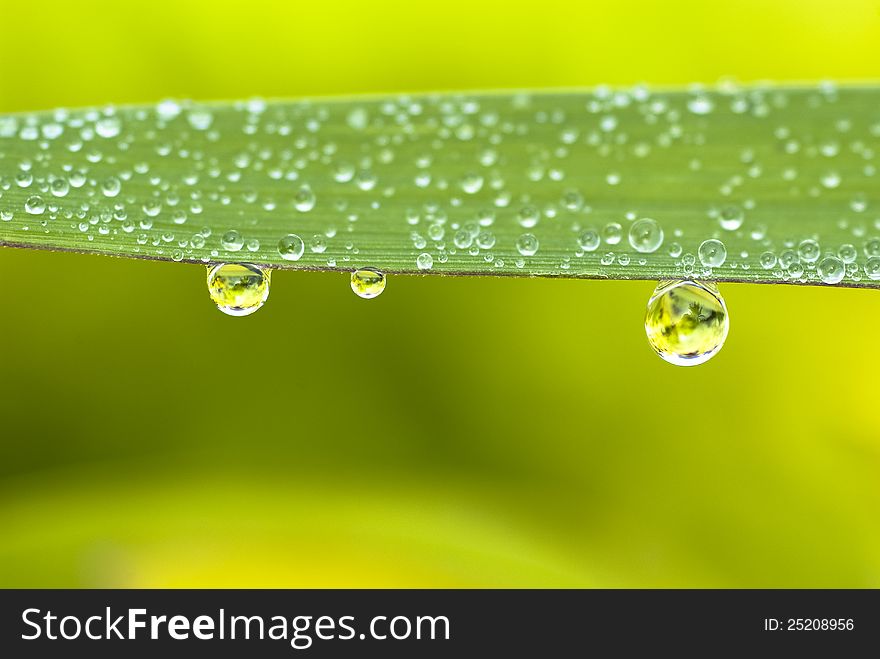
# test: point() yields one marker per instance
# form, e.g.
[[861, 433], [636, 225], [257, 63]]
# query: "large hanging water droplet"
[[238, 289], [686, 322], [367, 283]]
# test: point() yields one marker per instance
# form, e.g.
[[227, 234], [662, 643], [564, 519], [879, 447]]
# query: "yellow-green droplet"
[[238, 289], [367, 283], [686, 322]]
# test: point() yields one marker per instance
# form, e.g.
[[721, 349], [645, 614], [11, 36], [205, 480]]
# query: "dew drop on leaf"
[[712, 253], [291, 247], [232, 241], [645, 235], [831, 270], [527, 244]]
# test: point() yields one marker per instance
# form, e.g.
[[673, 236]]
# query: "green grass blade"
[[461, 178]]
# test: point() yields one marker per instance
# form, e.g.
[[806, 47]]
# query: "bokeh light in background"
[[523, 434]]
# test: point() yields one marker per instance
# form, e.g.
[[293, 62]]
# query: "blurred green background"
[[454, 432]]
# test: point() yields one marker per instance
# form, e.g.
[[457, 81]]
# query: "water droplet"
[[463, 239], [612, 233], [471, 183], [731, 218], [831, 180], [238, 289], [425, 261], [700, 105], [200, 118], [527, 244], [304, 201], [831, 270], [344, 172], [528, 217], [35, 205], [712, 253], [111, 186], [848, 253], [872, 268], [645, 235], [808, 251], [573, 200], [768, 260], [486, 240], [168, 110], [151, 208], [367, 283], [108, 127], [232, 241], [358, 119], [589, 240], [59, 187], [686, 322], [291, 247]]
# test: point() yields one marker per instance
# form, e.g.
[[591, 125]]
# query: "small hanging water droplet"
[[291, 247], [686, 322], [238, 289], [367, 283]]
